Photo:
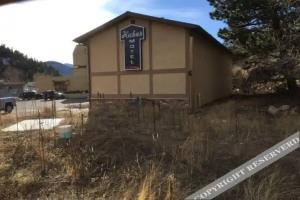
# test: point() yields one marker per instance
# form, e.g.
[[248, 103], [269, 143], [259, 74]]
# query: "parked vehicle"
[[29, 95], [38, 96], [51, 95], [7, 104], [60, 95]]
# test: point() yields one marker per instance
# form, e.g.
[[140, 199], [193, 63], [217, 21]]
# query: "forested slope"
[[15, 66]]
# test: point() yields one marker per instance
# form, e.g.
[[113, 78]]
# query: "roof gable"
[[194, 27]]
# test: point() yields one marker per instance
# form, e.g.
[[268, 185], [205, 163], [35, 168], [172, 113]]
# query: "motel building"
[[136, 55]]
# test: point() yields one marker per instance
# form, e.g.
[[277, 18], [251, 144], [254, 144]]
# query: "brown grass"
[[161, 152], [6, 119]]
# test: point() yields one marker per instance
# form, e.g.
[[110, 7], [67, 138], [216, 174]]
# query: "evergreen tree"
[[266, 32], [28, 66]]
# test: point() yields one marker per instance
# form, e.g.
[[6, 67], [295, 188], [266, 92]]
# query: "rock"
[[23, 176], [293, 111], [273, 110], [284, 107], [93, 180]]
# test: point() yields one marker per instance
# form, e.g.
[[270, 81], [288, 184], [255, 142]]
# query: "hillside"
[[15, 66], [63, 69]]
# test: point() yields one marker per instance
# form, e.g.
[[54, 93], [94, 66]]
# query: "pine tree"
[[266, 32], [28, 66]]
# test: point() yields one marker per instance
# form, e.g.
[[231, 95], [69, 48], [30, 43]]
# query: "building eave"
[[85, 37]]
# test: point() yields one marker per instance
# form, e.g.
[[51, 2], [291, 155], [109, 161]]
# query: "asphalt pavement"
[[33, 106]]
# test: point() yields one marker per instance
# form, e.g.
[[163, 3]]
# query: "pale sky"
[[44, 29]]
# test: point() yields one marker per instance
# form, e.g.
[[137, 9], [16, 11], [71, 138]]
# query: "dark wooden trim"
[[89, 70], [156, 96], [187, 49], [187, 61], [150, 57], [154, 71], [175, 70], [118, 59], [191, 58]]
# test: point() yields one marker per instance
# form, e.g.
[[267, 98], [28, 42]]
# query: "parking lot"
[[33, 106]]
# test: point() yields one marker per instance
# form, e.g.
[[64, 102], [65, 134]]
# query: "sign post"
[[132, 36]]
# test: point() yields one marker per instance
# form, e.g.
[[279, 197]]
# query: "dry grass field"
[[146, 151]]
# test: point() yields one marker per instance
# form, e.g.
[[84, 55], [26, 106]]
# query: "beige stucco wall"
[[168, 54], [169, 83], [104, 84], [78, 81], [44, 82], [135, 84], [80, 56], [211, 72], [103, 51], [169, 46]]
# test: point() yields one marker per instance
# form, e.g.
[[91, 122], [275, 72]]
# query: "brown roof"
[[12, 83], [195, 27], [3, 2]]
